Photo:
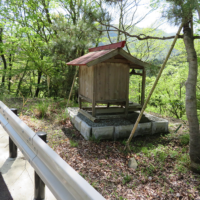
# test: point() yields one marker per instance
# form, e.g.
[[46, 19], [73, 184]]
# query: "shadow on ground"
[[4, 192]]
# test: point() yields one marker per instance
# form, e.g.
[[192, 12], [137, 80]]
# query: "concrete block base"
[[144, 129], [105, 132], [153, 126], [122, 131], [77, 123], [159, 127], [86, 130]]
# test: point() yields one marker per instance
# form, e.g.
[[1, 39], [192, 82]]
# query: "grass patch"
[[184, 139], [41, 109], [160, 153], [62, 117], [183, 163], [73, 143], [126, 179], [93, 139]]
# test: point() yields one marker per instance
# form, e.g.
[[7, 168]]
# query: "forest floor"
[[163, 159]]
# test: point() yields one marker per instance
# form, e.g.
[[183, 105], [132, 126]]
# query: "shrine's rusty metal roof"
[[83, 60], [103, 53], [109, 46]]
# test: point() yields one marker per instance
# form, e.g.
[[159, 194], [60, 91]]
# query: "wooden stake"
[[72, 86], [152, 89]]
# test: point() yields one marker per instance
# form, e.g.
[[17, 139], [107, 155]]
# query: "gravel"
[[131, 119]]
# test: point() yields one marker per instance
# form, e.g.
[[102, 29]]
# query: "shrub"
[[173, 154], [145, 150], [160, 152], [184, 139], [41, 109]]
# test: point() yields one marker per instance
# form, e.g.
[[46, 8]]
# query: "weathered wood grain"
[[86, 81], [94, 91], [112, 79], [85, 98]]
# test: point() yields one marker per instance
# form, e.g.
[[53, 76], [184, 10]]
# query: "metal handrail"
[[63, 181]]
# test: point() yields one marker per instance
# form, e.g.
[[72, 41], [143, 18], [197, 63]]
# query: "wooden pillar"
[[143, 87], [127, 93], [93, 109], [80, 102], [139, 100], [79, 97], [94, 92]]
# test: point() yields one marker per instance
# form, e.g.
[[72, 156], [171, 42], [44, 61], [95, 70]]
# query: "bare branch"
[[143, 36]]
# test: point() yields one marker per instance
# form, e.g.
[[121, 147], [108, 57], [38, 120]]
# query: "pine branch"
[[143, 36]]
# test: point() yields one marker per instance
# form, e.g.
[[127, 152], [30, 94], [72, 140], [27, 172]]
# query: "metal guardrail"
[[63, 181]]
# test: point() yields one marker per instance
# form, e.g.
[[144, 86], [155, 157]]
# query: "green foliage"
[[173, 154], [160, 153], [41, 109], [82, 174], [73, 143], [176, 11], [184, 139], [169, 95], [94, 184], [94, 139], [62, 117], [145, 150], [126, 179], [37, 45], [183, 163]]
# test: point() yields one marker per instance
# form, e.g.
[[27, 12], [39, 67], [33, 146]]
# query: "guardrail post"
[[39, 189], [12, 146]]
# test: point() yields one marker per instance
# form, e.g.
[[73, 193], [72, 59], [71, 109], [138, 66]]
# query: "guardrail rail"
[[63, 181]]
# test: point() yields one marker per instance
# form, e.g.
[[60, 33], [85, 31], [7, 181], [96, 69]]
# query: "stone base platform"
[[114, 129]]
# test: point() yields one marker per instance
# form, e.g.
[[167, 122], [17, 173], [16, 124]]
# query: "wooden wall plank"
[[94, 90], [112, 81], [86, 81]]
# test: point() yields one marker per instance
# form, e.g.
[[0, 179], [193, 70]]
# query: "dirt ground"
[[163, 159]]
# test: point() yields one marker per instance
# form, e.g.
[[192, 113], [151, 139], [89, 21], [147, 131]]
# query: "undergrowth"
[[158, 156], [41, 109]]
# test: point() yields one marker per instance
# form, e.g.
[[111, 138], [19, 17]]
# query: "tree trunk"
[[38, 85], [21, 79], [3, 58], [191, 103], [10, 76], [4, 72]]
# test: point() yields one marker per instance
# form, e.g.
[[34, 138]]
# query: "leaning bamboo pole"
[[152, 89], [72, 86]]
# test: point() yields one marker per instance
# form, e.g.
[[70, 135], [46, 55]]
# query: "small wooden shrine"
[[104, 79]]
